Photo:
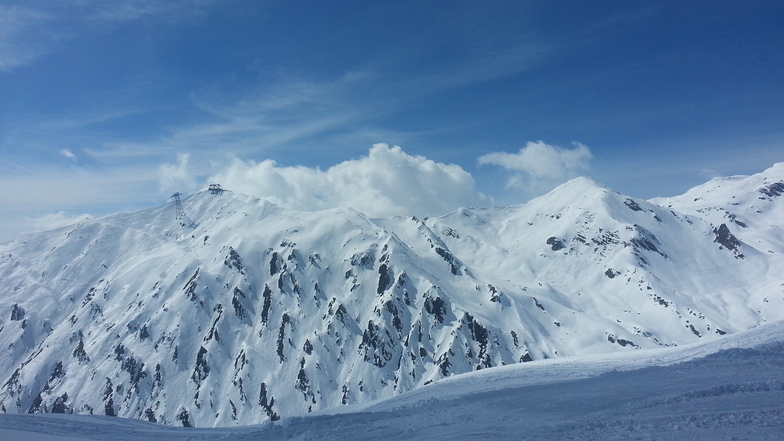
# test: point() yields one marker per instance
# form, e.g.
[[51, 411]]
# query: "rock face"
[[261, 313]]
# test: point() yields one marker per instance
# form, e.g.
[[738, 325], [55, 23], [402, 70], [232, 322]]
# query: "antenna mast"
[[186, 221]]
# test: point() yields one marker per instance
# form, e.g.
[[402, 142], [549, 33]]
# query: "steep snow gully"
[[259, 313]]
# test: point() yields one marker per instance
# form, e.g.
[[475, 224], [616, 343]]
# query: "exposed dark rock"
[[89, 296], [384, 278], [734, 219], [341, 314], [60, 404], [444, 364], [363, 259], [632, 205], [555, 243], [726, 239], [451, 233], [144, 333], [57, 373], [606, 238], [450, 259], [660, 300], [267, 302], [390, 306], [273, 263], [201, 370], [773, 190], [233, 410], [480, 334], [266, 403], [495, 294], [135, 370], [184, 418], [621, 341], [190, 286], [376, 345], [303, 384], [149, 415], [645, 240], [79, 352], [436, 307], [213, 331], [239, 310], [108, 398], [234, 261], [282, 335], [344, 397], [119, 351]]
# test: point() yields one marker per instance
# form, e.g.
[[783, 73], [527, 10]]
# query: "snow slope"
[[260, 312], [730, 388]]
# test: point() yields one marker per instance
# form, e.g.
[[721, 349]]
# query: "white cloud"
[[386, 182], [176, 177], [538, 165], [68, 154], [56, 220]]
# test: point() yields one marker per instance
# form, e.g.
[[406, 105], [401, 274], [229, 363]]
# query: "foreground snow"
[[731, 388]]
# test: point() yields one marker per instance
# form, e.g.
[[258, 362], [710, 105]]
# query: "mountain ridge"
[[262, 312]]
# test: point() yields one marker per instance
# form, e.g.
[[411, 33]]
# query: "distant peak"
[[580, 186], [776, 171]]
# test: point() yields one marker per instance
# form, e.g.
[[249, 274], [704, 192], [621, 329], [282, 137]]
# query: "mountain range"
[[252, 312]]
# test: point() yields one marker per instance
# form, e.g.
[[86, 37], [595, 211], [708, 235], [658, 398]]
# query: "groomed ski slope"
[[729, 388]]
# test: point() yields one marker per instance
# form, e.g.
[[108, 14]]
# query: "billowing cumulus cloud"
[[386, 182], [539, 165]]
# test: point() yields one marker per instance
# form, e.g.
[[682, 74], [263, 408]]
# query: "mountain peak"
[[581, 185]]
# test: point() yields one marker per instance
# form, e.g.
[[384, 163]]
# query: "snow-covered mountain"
[[260, 312], [720, 389]]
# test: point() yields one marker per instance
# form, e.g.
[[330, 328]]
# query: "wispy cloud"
[[510, 59], [539, 165], [20, 37], [176, 177], [30, 31], [289, 110], [73, 190], [56, 220]]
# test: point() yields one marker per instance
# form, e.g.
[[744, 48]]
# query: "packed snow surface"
[[728, 389]]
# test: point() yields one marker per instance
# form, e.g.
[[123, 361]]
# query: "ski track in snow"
[[728, 389]]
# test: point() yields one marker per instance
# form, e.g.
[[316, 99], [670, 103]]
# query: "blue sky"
[[403, 107]]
